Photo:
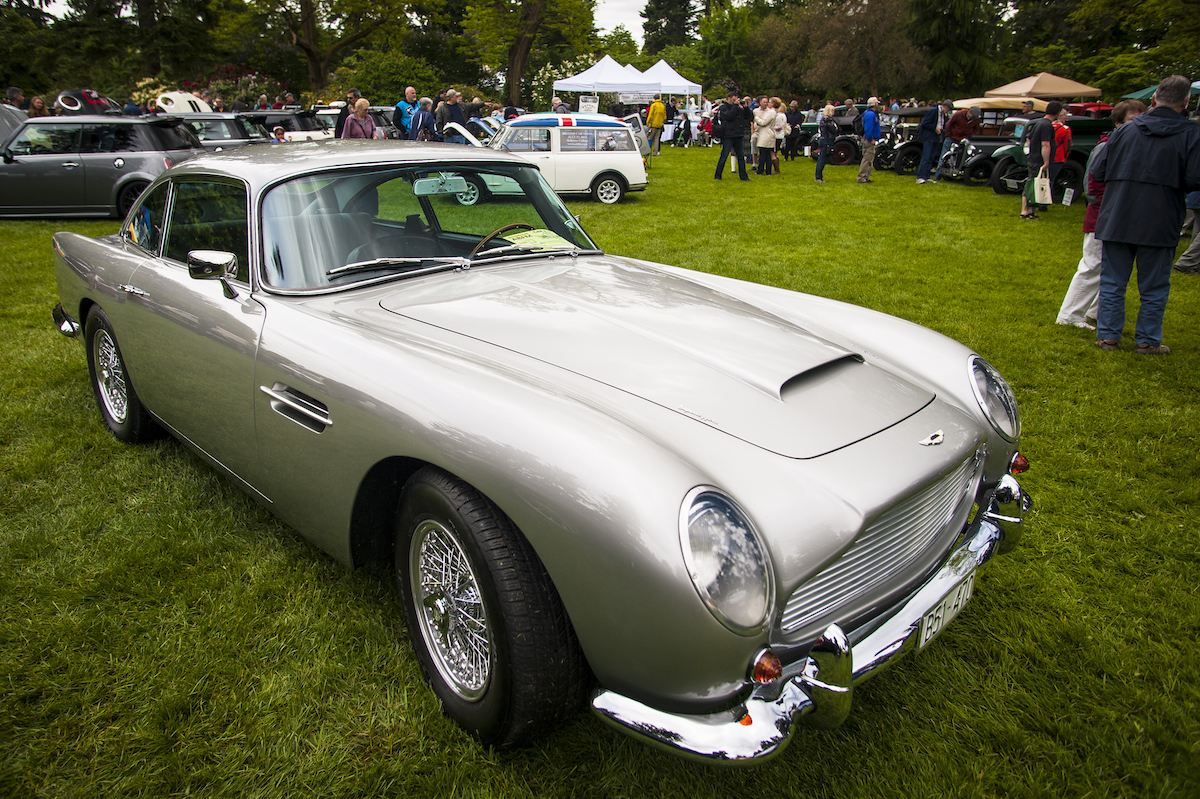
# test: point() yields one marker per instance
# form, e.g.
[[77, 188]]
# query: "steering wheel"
[[497, 232]]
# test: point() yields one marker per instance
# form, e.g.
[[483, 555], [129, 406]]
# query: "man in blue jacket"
[[1149, 165], [930, 132], [871, 136]]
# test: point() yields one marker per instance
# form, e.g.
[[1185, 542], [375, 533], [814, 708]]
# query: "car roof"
[[566, 121], [109, 119], [260, 164]]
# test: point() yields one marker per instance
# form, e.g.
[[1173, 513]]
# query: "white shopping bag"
[[1041, 188]]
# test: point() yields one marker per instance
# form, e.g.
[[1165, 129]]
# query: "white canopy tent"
[[670, 81], [606, 75]]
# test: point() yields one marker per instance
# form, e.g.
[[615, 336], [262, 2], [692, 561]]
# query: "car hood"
[[666, 339]]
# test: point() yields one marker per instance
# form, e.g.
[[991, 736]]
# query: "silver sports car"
[[708, 508]]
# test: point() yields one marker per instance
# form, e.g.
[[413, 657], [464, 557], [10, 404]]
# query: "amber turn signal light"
[[1019, 465], [767, 667]]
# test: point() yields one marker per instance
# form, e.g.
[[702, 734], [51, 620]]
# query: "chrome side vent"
[[298, 407]]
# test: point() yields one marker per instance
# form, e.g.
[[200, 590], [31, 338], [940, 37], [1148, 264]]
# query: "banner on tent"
[[634, 98], [589, 104]]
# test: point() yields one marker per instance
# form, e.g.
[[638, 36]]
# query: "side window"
[[618, 140], [577, 140], [209, 216], [108, 137], [146, 225], [46, 140], [529, 139]]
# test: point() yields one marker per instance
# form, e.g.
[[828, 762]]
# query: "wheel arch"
[[373, 516], [611, 173]]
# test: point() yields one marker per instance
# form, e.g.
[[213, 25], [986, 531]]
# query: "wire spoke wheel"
[[450, 610], [110, 377]]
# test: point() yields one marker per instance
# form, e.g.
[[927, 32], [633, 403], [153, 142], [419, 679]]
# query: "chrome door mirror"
[[213, 265]]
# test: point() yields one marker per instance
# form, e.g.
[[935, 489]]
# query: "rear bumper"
[[819, 688]]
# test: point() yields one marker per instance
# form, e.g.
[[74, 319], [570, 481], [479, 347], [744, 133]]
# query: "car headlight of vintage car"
[[995, 398], [726, 561]]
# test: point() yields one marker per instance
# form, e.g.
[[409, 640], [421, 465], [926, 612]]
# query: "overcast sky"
[[611, 13]]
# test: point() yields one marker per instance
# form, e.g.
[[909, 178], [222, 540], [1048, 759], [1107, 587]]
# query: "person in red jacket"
[[1083, 294]]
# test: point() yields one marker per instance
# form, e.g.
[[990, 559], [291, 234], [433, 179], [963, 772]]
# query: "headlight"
[[995, 398], [726, 561]]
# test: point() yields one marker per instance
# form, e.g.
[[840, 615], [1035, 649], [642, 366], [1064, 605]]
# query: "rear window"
[[172, 137]]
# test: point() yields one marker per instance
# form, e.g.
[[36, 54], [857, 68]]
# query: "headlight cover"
[[726, 561], [995, 398]]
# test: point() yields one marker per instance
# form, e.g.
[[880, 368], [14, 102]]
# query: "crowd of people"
[[1142, 180]]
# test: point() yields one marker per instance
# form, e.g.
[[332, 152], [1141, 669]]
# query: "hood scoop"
[[661, 337]]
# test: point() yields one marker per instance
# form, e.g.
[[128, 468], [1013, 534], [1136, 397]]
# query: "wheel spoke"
[[451, 611]]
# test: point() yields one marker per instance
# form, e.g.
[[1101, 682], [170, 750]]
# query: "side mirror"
[[213, 265], [8, 157]]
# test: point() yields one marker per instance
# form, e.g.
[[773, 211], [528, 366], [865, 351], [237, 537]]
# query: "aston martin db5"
[[706, 508]]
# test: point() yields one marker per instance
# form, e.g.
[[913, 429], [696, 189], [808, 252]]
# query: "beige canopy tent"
[[1044, 84], [1000, 103]]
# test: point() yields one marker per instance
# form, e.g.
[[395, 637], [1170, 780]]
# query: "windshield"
[[336, 229]]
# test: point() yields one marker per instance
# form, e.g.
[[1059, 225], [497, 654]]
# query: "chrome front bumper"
[[819, 688]]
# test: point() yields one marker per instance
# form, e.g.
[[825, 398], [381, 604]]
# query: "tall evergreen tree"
[[668, 22], [959, 37]]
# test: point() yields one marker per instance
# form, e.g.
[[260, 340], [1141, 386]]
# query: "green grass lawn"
[[161, 635]]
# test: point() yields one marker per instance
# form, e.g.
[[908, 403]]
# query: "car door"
[[192, 346], [577, 161], [109, 151], [533, 144], [41, 171]]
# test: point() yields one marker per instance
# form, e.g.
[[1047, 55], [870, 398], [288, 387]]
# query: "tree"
[[504, 32], [668, 22], [861, 46], [619, 44], [725, 34], [322, 29], [959, 39]]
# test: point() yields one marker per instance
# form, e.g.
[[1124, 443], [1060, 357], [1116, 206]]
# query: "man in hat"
[[1027, 108], [1148, 166], [963, 124], [870, 137]]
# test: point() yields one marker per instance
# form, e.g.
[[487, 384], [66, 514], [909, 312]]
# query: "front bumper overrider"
[[818, 689]]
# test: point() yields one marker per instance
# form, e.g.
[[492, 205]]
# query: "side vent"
[[300, 408]]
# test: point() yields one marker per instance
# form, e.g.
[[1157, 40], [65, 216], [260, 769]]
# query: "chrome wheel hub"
[[110, 377], [450, 610], [609, 192]]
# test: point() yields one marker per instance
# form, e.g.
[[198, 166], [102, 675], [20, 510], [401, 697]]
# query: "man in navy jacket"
[[1149, 166], [930, 132]]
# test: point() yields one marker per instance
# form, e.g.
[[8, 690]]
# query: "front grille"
[[930, 517]]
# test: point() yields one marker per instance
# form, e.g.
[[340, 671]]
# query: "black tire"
[[844, 152], [608, 189], [908, 159], [497, 647], [128, 195], [123, 413], [980, 173], [1007, 169], [1070, 176]]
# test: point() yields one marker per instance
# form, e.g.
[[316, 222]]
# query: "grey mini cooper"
[[88, 165]]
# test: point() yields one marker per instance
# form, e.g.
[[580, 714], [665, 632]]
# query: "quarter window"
[[146, 226], [209, 216], [109, 138]]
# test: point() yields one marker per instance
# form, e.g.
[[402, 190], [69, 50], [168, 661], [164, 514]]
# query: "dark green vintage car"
[[1011, 161]]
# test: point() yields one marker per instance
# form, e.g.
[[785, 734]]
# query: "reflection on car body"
[[709, 507]]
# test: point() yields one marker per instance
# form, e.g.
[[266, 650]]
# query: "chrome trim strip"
[[818, 689]]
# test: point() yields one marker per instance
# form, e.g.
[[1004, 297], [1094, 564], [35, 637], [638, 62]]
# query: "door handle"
[[134, 290], [69, 164]]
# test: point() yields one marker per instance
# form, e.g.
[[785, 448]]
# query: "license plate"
[[941, 614]]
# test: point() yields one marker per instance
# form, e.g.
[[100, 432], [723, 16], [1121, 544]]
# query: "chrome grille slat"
[[884, 548]]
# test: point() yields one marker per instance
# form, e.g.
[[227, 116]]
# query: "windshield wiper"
[[375, 263], [537, 249]]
